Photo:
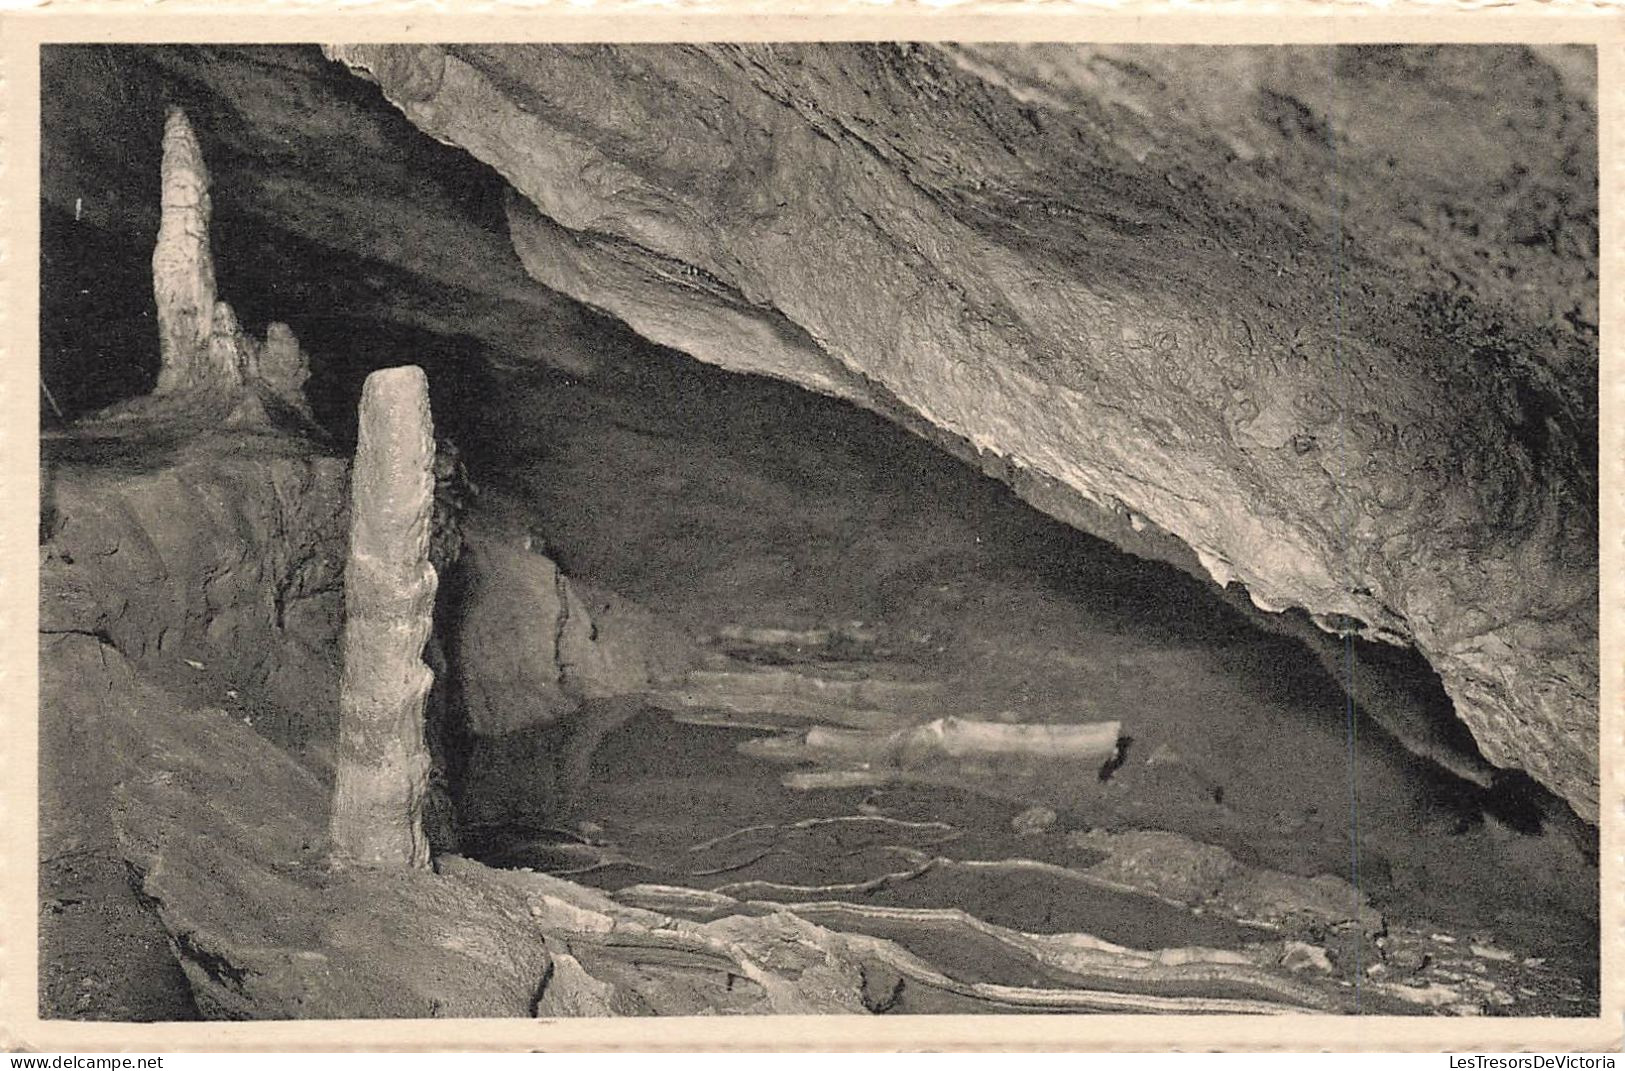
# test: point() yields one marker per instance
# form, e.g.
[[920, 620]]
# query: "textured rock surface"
[[666, 950], [389, 589], [227, 557], [529, 646], [1009, 248], [532, 643], [103, 953], [226, 835], [214, 568]]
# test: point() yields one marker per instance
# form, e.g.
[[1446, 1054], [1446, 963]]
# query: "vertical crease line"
[[1351, 725]]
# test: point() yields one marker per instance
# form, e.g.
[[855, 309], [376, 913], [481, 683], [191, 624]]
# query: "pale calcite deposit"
[[389, 588], [207, 361]]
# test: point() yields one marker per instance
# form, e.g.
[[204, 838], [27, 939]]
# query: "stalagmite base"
[[389, 589]]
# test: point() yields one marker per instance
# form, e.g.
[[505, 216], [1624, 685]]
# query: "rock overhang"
[[1012, 251], [1083, 269]]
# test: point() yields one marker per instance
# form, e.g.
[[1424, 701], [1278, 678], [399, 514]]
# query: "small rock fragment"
[[1434, 995], [1407, 959], [571, 993], [1033, 821], [1163, 755], [1302, 956]]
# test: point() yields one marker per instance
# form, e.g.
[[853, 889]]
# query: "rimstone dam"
[[540, 531]]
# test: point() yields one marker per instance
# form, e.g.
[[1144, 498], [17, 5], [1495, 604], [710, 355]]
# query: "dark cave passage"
[[693, 625]]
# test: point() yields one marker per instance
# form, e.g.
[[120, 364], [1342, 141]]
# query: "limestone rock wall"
[[1184, 322], [530, 643], [220, 558], [218, 573], [527, 646], [506, 638]]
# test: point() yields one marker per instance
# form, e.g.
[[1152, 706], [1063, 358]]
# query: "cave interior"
[[689, 615]]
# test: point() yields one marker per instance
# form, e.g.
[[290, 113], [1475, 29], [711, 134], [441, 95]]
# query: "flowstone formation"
[[209, 367], [389, 589], [1180, 326]]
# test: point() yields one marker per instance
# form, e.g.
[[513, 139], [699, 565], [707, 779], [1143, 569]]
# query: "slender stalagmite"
[[183, 268], [389, 589]]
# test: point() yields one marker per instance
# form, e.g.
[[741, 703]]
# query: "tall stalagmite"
[[209, 366], [389, 590], [183, 268]]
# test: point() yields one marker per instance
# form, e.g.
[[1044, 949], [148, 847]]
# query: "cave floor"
[[660, 804], [725, 503]]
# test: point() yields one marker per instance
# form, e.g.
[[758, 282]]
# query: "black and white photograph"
[[879, 528]]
